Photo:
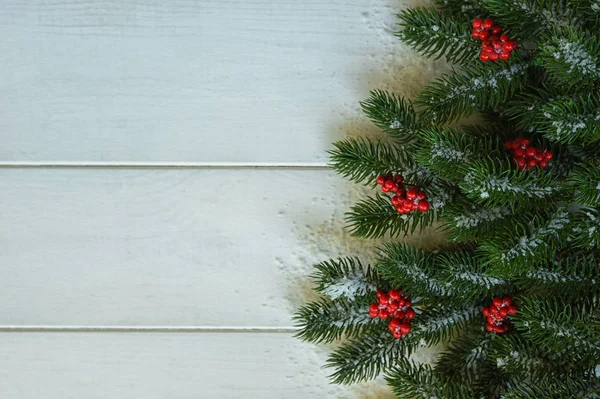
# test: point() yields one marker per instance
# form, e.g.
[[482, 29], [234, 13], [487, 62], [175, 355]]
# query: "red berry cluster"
[[396, 305], [527, 157], [405, 200], [497, 313], [494, 46]]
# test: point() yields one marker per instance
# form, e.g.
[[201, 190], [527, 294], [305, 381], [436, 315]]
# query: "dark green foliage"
[[532, 235], [432, 34]]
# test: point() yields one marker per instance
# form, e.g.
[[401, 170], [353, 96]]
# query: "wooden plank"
[[171, 247], [174, 366], [187, 80]]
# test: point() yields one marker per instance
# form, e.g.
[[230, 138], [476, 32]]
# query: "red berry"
[[499, 329], [506, 301], [512, 309], [496, 30], [380, 293], [415, 205], [508, 145], [519, 152], [484, 57], [410, 314], [394, 294], [397, 334], [394, 324], [497, 302], [475, 34], [400, 314], [504, 38], [503, 312], [493, 38], [374, 314], [421, 195], [384, 299], [405, 328], [486, 312], [532, 163], [411, 194], [407, 303], [423, 206], [380, 180], [477, 22], [384, 189], [392, 306], [389, 184], [374, 307], [400, 210], [484, 34], [543, 164], [384, 314], [548, 155], [401, 302], [525, 142], [396, 200], [497, 44], [504, 56], [488, 23], [490, 327], [530, 152], [494, 57]]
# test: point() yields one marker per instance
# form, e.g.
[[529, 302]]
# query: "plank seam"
[[166, 165], [144, 329]]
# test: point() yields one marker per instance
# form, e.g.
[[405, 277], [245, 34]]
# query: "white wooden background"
[[164, 190]]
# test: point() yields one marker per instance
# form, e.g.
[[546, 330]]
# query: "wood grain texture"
[[187, 80], [159, 366], [93, 247]]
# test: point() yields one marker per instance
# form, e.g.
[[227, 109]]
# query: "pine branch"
[[572, 58], [432, 34], [586, 183], [362, 159], [411, 381], [492, 183], [466, 359], [393, 114], [326, 321], [570, 119], [515, 251], [469, 222], [549, 388], [364, 359], [586, 229], [463, 10], [375, 217], [478, 86], [345, 278], [442, 323], [571, 277], [529, 18]]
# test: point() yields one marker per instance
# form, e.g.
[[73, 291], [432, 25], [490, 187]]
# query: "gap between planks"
[[166, 165], [144, 329]]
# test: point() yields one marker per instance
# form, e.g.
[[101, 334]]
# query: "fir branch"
[[363, 359], [491, 183], [375, 217], [478, 86], [468, 222], [432, 34], [345, 278], [514, 251], [463, 10], [572, 58], [570, 119], [586, 183], [529, 18], [326, 321], [393, 114], [411, 381], [442, 323], [586, 229], [571, 277], [362, 159], [466, 358], [551, 388]]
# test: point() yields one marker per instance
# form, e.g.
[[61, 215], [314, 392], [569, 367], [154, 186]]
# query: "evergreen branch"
[[550, 388], [364, 359], [393, 114], [586, 231], [361, 159], [466, 358], [411, 381], [529, 18], [411, 270], [491, 184], [570, 119], [375, 217], [442, 323], [463, 10], [572, 58], [345, 278], [479, 86], [468, 222], [561, 328], [326, 321], [432, 34], [571, 277], [586, 183], [514, 251]]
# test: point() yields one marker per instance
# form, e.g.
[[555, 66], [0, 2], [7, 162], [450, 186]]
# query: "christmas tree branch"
[[393, 114], [345, 278]]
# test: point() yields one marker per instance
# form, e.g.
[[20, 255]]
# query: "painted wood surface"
[[194, 81], [159, 366]]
